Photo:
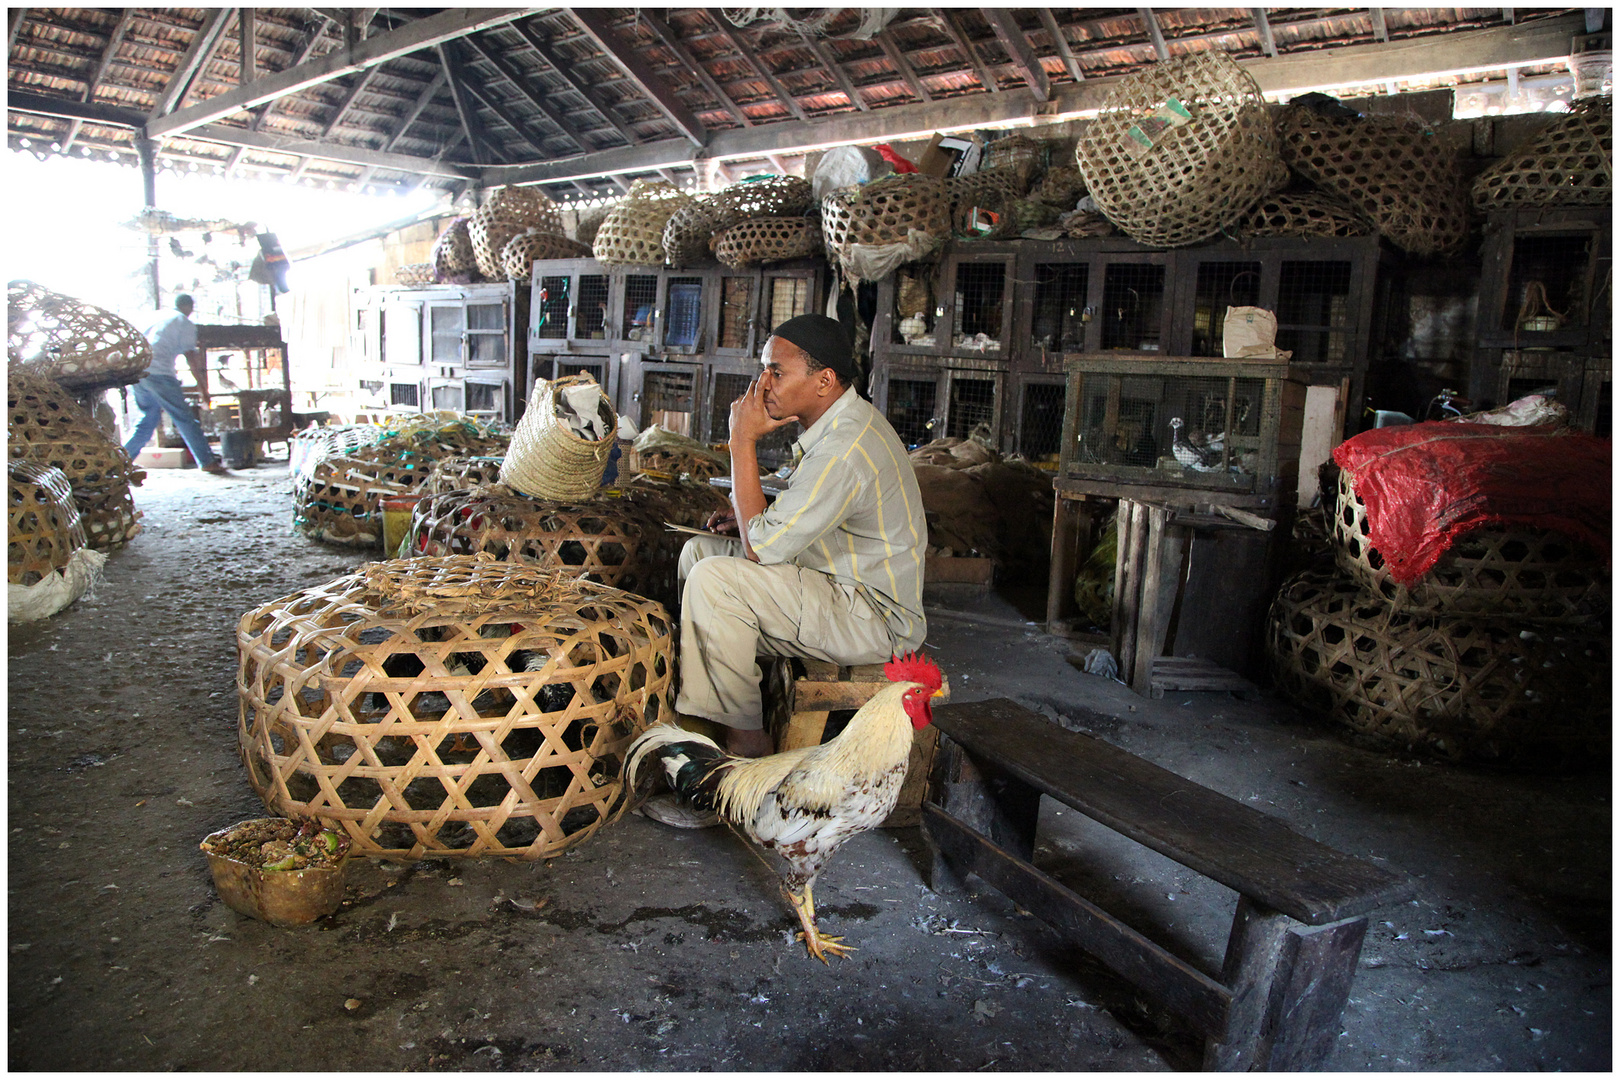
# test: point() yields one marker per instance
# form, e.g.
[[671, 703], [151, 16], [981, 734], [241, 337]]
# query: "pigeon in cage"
[[1190, 455]]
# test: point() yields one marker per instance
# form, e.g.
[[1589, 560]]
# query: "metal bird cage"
[[1223, 425]]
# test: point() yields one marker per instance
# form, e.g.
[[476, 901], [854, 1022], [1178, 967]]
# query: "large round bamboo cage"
[[910, 209], [633, 232], [1520, 573], [1304, 213], [47, 426], [612, 541], [1181, 150], [43, 529], [463, 473], [1464, 688], [312, 444], [415, 274], [451, 707], [672, 498], [690, 230], [453, 251], [1394, 170], [489, 239], [520, 252], [81, 346], [1569, 164], [339, 499], [767, 239]]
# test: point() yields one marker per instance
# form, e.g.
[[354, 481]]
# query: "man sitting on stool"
[[832, 570], [159, 392]]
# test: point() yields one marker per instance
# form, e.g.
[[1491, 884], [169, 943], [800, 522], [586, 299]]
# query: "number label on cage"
[[1143, 135]]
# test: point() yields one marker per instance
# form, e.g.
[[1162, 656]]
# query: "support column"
[[146, 149]]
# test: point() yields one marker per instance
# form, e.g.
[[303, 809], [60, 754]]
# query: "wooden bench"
[[1302, 908], [801, 696]]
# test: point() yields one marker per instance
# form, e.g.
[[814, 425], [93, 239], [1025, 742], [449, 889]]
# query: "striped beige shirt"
[[853, 511]]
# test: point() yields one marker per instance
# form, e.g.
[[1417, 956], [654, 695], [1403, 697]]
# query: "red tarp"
[[1425, 485]]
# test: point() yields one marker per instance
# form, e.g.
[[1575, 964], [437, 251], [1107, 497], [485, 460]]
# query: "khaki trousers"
[[733, 609]]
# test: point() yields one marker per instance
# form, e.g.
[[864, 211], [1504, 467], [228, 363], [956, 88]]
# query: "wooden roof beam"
[[1263, 24], [114, 39], [14, 21], [247, 45], [506, 116], [515, 77], [348, 101], [424, 33], [670, 41], [1060, 42], [585, 90], [600, 31], [908, 74], [203, 44], [953, 28], [305, 51], [1023, 57], [1155, 34], [458, 92], [746, 52], [830, 61], [421, 103]]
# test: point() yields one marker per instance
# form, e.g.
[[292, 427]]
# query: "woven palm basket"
[[612, 541], [339, 499], [45, 425], [451, 707], [690, 230], [1394, 170], [767, 239], [308, 447], [415, 274], [462, 473], [453, 251], [1569, 164], [633, 232], [83, 347], [546, 459], [519, 254], [1519, 573], [1195, 179], [1460, 687], [1304, 213], [43, 530]]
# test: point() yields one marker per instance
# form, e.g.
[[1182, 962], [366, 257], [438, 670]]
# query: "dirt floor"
[[651, 948]]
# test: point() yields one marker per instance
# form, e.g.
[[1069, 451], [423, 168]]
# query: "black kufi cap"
[[822, 338]]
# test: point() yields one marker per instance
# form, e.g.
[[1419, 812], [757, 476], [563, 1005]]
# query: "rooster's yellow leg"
[[815, 941]]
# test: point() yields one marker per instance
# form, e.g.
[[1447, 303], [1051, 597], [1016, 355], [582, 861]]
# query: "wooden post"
[[984, 798], [146, 150], [1065, 557], [1289, 985]]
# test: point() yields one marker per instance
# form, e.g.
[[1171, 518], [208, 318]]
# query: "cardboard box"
[[164, 457], [946, 155]]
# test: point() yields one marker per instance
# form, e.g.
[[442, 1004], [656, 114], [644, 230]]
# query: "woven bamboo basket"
[[691, 229], [589, 222], [994, 189], [1463, 688], [674, 498], [611, 541], [308, 447], [1082, 223], [1196, 178], [546, 459], [524, 206], [1569, 164], [1520, 573], [1304, 213], [633, 232], [1018, 154], [453, 251], [1395, 170], [81, 346], [912, 210], [520, 252], [489, 238], [462, 473], [451, 707], [339, 499], [48, 427], [1061, 186], [44, 529], [415, 274], [767, 239]]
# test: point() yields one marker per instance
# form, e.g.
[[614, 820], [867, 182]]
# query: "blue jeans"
[[159, 394]]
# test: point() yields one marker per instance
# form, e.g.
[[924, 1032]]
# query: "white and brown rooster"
[[805, 803]]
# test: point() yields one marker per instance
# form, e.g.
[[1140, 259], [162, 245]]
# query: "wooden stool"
[[800, 696]]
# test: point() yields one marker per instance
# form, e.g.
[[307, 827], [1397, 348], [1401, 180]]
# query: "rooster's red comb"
[[914, 667]]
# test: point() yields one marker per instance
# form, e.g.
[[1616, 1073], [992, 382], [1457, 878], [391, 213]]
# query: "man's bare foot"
[[749, 744]]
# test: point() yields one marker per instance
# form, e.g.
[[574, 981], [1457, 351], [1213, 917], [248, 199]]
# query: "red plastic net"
[[1425, 485]]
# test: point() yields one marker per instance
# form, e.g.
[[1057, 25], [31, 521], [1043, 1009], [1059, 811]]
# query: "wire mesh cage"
[[911, 406], [774, 449], [1133, 302], [451, 707], [981, 301], [736, 312], [1226, 425], [669, 399], [1040, 425], [640, 299], [1061, 312]]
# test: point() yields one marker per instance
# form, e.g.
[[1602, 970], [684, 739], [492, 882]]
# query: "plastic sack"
[[846, 166], [1251, 333], [54, 591]]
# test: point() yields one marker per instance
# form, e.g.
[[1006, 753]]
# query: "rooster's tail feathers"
[[687, 757]]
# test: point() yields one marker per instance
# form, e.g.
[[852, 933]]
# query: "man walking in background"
[[159, 392]]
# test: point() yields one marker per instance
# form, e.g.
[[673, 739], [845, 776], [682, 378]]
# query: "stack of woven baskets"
[[500, 240], [48, 565], [1499, 653], [81, 346], [632, 234], [744, 224], [338, 498], [47, 426], [872, 229]]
